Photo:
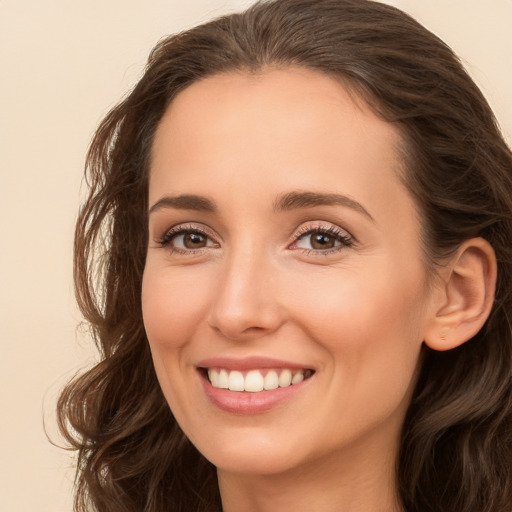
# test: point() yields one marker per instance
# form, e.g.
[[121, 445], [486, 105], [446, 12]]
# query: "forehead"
[[276, 130], [285, 101]]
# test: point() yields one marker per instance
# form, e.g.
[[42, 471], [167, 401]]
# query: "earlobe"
[[465, 296]]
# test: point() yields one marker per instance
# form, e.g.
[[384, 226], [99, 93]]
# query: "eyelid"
[[186, 227], [341, 235], [323, 226]]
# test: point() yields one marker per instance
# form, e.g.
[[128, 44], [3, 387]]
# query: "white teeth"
[[285, 379], [236, 381], [213, 375], [254, 381], [271, 380], [297, 377], [223, 379]]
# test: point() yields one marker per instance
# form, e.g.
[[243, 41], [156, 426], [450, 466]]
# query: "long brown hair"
[[456, 451]]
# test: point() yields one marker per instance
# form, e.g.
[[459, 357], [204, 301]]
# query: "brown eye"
[[194, 240], [322, 241], [187, 240]]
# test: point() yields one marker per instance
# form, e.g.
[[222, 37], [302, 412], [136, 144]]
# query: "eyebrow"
[[286, 202], [296, 200], [185, 202]]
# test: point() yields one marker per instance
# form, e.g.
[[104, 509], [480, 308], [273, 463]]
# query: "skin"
[[356, 314]]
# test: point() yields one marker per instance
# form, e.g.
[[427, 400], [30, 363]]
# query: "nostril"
[[254, 330]]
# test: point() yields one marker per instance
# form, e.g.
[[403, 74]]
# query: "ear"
[[463, 296]]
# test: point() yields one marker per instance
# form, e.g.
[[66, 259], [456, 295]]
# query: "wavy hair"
[[456, 448]]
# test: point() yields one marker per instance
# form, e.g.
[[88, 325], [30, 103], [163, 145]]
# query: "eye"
[[317, 241], [190, 241], [187, 239], [322, 239]]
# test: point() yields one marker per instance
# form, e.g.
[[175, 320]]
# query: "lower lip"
[[243, 402]]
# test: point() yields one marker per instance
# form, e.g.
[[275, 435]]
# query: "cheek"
[[362, 302], [371, 324], [374, 339], [172, 305]]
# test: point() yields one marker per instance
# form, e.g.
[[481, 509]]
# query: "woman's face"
[[282, 246]]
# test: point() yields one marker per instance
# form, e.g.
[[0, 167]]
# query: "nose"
[[245, 304]]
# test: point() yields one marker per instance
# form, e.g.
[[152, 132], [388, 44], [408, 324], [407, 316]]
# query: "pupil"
[[322, 241], [193, 240]]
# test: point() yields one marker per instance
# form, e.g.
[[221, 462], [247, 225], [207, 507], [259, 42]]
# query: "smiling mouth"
[[255, 381]]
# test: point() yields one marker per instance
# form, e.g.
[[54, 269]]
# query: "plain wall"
[[63, 64]]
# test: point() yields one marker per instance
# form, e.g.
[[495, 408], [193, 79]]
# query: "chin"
[[252, 455]]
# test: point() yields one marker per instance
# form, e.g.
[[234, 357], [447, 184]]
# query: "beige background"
[[63, 63]]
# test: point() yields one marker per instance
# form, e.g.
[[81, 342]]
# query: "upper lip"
[[249, 363]]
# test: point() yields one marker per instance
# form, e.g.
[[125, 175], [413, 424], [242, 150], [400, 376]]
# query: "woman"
[[295, 259]]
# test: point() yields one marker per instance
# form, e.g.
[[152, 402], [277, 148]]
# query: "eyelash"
[[176, 231], [339, 235]]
